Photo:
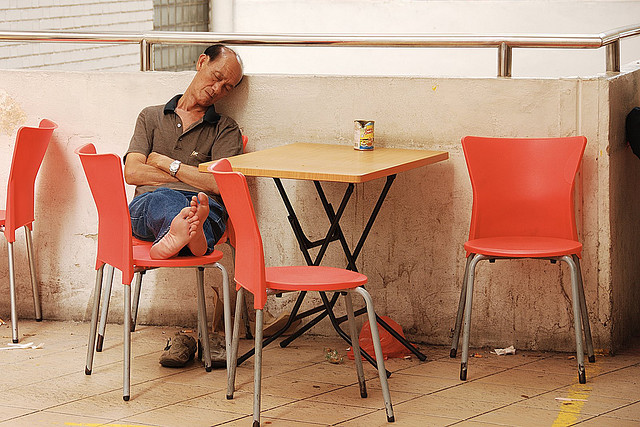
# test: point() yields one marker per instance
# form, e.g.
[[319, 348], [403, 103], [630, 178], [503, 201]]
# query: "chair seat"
[[312, 278], [523, 247], [141, 258]]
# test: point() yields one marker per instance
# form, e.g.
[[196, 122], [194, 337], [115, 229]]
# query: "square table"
[[330, 163]]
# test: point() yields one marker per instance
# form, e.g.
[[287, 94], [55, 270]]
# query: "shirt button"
[[179, 125]]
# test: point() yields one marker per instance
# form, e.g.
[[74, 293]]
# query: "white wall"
[[78, 16], [429, 17], [335, 17]]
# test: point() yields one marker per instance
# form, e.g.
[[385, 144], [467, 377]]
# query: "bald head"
[[216, 50]]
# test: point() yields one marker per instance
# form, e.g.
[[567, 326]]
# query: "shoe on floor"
[[217, 347], [179, 351]]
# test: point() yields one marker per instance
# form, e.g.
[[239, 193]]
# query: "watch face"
[[173, 168]]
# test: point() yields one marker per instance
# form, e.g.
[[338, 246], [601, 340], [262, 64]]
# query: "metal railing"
[[504, 43]]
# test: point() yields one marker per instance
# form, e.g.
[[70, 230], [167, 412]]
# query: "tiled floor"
[[47, 386]]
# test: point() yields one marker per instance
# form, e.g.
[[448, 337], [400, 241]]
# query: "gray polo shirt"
[[159, 129]]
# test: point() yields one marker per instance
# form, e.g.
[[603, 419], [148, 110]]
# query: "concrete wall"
[[414, 256], [624, 174], [73, 15]]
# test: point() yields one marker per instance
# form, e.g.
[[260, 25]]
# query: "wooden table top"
[[330, 162]]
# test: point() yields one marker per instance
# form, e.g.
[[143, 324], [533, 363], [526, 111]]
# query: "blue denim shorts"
[[151, 215]]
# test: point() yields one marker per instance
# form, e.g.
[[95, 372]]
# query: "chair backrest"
[[104, 174], [28, 152], [523, 186], [230, 232], [249, 264]]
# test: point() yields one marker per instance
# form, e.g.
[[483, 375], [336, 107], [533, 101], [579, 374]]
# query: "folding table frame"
[[301, 161]]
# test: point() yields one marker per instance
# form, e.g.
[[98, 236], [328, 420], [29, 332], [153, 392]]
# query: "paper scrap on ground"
[[503, 351], [29, 345], [570, 399]]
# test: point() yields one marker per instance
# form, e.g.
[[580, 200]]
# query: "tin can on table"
[[363, 135]]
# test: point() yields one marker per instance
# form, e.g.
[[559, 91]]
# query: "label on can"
[[363, 135]]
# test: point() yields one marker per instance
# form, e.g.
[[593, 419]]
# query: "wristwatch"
[[174, 166]]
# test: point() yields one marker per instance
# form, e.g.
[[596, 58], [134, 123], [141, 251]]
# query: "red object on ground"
[[391, 347]]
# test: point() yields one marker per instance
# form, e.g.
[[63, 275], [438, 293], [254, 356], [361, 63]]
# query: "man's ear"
[[201, 60]]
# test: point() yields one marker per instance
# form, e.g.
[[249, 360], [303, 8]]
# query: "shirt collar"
[[210, 116]]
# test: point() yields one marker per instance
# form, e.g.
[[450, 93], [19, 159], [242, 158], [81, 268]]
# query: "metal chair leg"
[[377, 347], [37, 305], [257, 371], [202, 321], [12, 294], [585, 313], [467, 315], [232, 359], [226, 299], [355, 345], [126, 374], [245, 310], [136, 299], [94, 320], [463, 292], [106, 297], [577, 317]]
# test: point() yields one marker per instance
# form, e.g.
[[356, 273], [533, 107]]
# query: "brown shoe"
[[179, 351], [217, 347]]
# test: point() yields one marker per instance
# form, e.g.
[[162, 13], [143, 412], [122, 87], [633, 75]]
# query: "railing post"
[[146, 62], [151, 55], [613, 56], [504, 60]]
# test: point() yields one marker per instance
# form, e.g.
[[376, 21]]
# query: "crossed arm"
[[154, 170]]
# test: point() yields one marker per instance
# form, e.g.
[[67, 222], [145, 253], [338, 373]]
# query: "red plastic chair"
[[116, 249], [252, 275], [523, 208], [227, 237], [28, 152]]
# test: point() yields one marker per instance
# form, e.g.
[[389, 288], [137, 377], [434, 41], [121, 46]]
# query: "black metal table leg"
[[334, 233], [351, 258]]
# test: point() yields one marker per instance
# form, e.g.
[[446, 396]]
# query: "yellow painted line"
[[570, 409]]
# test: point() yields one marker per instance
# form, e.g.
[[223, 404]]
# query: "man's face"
[[216, 79]]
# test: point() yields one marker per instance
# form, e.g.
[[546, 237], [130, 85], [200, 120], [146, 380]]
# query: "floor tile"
[[144, 397], [379, 419], [350, 396], [533, 379], [446, 369], [177, 415], [242, 402], [443, 406], [628, 412], [520, 415], [495, 393], [307, 411], [9, 412], [47, 418], [604, 421], [282, 385]]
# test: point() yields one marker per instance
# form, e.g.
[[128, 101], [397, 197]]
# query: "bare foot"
[[183, 228], [199, 205]]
